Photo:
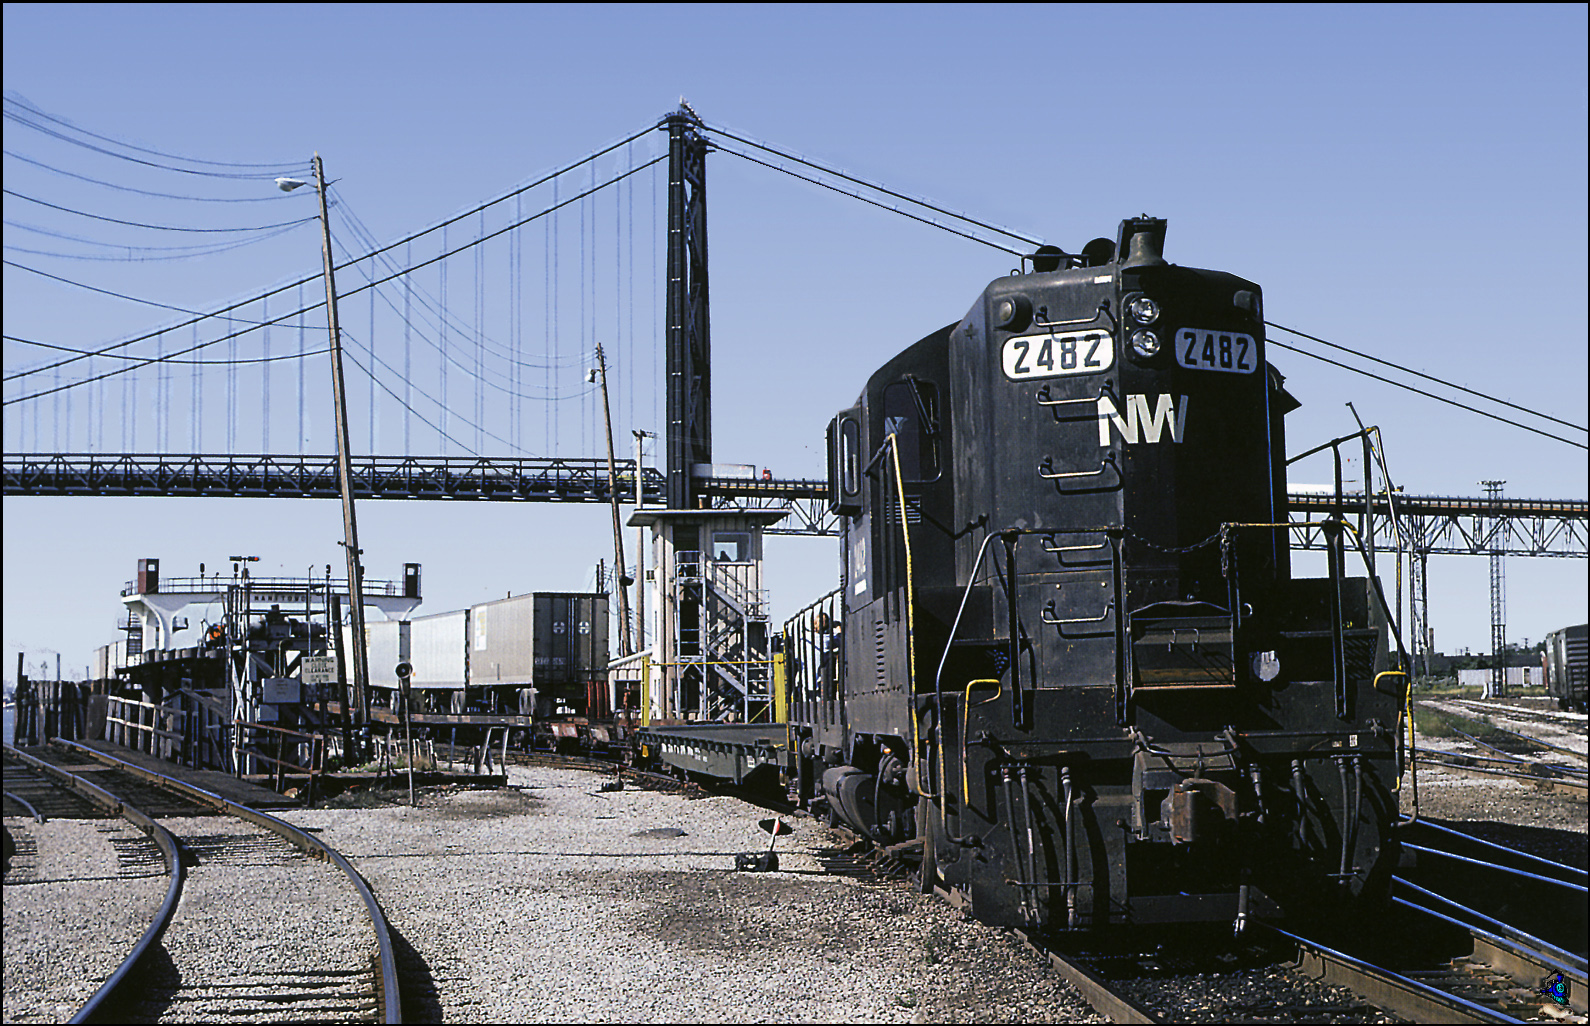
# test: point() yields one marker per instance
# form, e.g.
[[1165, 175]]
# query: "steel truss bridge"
[[1450, 525], [1430, 525]]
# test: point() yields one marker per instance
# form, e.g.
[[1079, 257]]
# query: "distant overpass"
[[1432, 525]]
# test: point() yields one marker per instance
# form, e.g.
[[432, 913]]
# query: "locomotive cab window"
[[910, 413], [844, 463], [850, 456]]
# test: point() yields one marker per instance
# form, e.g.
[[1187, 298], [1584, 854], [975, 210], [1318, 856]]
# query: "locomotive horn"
[[1048, 258]]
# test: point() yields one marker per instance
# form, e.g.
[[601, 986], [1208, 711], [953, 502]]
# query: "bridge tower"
[[689, 347], [711, 636]]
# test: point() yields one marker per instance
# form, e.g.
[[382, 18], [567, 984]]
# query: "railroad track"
[[1523, 916], [1456, 973], [557, 760], [1572, 722], [1513, 754], [1278, 975], [1554, 777], [271, 924]]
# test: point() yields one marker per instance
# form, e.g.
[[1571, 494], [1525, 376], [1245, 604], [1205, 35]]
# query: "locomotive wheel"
[[926, 814]]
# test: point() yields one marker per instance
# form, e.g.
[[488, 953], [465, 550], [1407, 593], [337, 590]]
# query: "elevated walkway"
[[214, 781]]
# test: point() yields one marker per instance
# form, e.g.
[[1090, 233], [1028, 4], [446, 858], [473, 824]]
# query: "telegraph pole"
[[640, 548], [350, 529], [625, 646]]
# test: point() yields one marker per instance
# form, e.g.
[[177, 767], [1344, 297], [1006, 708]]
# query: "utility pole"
[[625, 645], [640, 548], [350, 529]]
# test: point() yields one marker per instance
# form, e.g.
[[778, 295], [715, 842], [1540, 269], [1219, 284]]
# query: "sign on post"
[[319, 669]]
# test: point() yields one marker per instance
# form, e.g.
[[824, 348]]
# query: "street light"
[[350, 529]]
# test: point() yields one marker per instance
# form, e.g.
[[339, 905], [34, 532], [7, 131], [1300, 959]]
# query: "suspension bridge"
[[471, 339]]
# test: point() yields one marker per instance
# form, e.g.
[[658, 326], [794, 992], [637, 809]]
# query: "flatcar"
[[1069, 665]]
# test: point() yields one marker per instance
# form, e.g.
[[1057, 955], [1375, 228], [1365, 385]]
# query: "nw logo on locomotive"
[[1069, 664]]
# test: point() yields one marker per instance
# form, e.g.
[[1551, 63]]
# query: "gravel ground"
[[556, 902], [1523, 815], [255, 919], [70, 918]]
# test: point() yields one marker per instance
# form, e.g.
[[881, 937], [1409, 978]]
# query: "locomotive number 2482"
[[1228, 351], [1049, 356]]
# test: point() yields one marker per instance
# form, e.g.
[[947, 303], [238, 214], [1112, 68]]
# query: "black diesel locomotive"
[[1070, 664]]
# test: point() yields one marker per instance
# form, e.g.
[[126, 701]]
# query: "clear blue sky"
[[1409, 181]]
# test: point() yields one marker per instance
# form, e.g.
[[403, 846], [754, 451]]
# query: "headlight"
[[1143, 310], [1145, 343]]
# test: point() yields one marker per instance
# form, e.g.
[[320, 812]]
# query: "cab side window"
[[910, 413]]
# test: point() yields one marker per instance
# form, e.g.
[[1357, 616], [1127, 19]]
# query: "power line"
[[16, 101], [158, 227], [926, 204], [146, 192], [149, 163], [122, 370], [1427, 377], [157, 252], [428, 302], [420, 330], [145, 360], [149, 302], [1429, 395], [309, 280], [274, 320], [510, 195], [517, 224], [865, 199]]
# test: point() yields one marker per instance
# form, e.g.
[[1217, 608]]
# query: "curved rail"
[[387, 982], [1527, 958], [1540, 937], [1534, 773], [1410, 998], [168, 850]]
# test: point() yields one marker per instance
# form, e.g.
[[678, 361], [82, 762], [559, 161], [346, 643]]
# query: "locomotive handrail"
[[1341, 524], [1048, 461], [1043, 399], [1102, 310], [1008, 534], [892, 444], [938, 691], [1071, 548], [1181, 604], [1046, 618]]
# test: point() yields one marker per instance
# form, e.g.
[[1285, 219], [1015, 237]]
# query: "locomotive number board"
[[1052, 356], [1228, 351]]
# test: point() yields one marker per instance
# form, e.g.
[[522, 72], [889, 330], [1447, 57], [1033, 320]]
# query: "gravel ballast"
[[556, 902], [73, 909]]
